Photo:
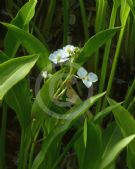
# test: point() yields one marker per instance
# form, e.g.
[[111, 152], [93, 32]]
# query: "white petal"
[[92, 77], [44, 74], [52, 56], [63, 54], [54, 60], [69, 47], [63, 60], [87, 83], [82, 73]]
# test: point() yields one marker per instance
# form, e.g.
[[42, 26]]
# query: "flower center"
[[58, 57], [86, 78]]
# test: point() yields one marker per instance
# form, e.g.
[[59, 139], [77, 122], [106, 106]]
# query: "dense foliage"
[[67, 84]]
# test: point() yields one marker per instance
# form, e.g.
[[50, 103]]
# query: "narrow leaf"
[[32, 45], [21, 20], [94, 43], [114, 152]]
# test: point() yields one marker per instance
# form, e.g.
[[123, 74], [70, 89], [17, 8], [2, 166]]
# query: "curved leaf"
[[114, 152], [94, 43], [72, 115], [21, 20], [14, 70], [31, 44]]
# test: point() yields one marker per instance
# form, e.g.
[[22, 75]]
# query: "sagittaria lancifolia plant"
[[46, 117]]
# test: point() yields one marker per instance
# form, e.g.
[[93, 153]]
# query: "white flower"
[[87, 78], [59, 56], [44, 74], [69, 49]]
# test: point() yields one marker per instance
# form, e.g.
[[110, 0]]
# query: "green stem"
[[125, 9], [21, 151], [65, 21], [24, 148], [115, 61], [99, 25], [58, 92], [49, 16], [32, 151], [106, 56], [84, 20]]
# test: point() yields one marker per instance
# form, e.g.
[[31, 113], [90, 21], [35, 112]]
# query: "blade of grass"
[[49, 16], [125, 9], [99, 24], [65, 21], [84, 20], [106, 53]]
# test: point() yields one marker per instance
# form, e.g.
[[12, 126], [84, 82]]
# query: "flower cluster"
[[62, 55], [87, 78]]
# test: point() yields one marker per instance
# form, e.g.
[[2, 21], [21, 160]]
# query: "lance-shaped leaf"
[[22, 19], [14, 70], [94, 43], [31, 44], [72, 115], [114, 152]]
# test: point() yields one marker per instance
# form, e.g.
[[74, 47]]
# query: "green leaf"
[[83, 107], [100, 115], [19, 98], [3, 57], [14, 70], [126, 124], [71, 115], [89, 156], [94, 43], [114, 137], [132, 6], [123, 119], [47, 143], [124, 12], [32, 45], [21, 20], [85, 132], [114, 152]]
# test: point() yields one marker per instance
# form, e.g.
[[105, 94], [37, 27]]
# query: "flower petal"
[[63, 60], [69, 48], [59, 56], [44, 74], [82, 73], [92, 77], [63, 54], [87, 83]]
